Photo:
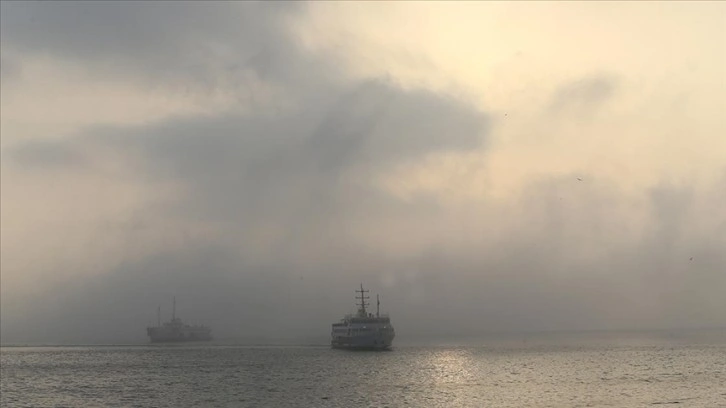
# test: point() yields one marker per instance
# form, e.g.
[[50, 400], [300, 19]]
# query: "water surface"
[[543, 375]]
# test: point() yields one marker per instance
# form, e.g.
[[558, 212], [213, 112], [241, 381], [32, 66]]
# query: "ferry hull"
[[361, 347], [373, 343], [159, 335]]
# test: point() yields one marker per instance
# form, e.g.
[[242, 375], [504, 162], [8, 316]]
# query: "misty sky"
[[486, 167]]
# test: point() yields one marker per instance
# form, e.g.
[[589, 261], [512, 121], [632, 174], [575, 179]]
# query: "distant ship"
[[176, 331], [363, 331]]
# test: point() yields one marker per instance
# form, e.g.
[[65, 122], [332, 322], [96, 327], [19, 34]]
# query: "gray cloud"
[[584, 95], [241, 164], [177, 45], [9, 69], [142, 32], [47, 155], [243, 171], [532, 279]]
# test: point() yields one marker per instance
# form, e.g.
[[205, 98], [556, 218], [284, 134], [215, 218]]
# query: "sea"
[[593, 370]]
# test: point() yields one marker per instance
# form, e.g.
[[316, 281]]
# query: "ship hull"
[[178, 340], [160, 335], [361, 347], [377, 343]]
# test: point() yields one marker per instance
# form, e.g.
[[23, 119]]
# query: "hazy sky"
[[485, 167]]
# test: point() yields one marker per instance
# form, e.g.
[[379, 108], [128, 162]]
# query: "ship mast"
[[362, 298], [173, 310], [378, 307], [158, 316]]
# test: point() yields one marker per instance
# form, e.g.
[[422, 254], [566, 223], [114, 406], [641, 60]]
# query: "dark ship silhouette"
[[176, 331]]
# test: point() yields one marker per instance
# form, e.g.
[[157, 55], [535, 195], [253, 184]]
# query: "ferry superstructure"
[[363, 330]]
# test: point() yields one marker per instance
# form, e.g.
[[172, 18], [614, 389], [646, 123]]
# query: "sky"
[[485, 167]]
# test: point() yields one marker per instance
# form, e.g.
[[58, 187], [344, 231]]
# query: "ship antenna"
[[173, 310], [362, 298], [378, 307]]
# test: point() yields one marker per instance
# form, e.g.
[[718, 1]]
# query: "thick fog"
[[267, 179]]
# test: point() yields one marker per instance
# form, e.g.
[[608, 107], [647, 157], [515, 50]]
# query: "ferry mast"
[[362, 298]]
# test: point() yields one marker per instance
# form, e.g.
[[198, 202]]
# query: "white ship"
[[363, 331]]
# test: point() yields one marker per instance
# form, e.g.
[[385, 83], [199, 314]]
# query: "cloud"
[[299, 173], [246, 163], [225, 46], [47, 155], [584, 95], [552, 276], [9, 69], [144, 34], [263, 219]]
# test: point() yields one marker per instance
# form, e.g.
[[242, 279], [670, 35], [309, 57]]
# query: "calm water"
[[524, 375]]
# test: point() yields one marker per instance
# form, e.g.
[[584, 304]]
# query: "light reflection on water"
[[450, 366]]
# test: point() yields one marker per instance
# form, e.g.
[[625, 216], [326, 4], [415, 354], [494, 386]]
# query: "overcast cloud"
[[266, 179]]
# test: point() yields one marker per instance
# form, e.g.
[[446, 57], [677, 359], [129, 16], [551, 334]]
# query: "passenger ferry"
[[363, 330]]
